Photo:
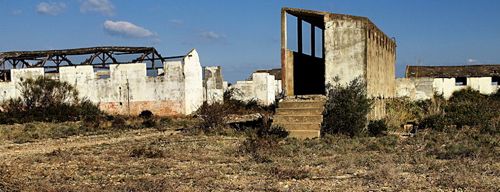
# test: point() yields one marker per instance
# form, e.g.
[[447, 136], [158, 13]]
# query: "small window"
[[461, 81], [495, 80]]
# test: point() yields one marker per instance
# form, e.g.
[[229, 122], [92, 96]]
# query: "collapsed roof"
[[100, 56]]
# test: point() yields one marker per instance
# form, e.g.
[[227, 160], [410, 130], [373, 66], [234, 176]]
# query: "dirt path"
[[46, 146]]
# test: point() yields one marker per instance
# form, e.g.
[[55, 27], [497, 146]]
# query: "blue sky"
[[242, 36]]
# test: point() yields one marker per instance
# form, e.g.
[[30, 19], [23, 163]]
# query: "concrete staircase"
[[301, 116]]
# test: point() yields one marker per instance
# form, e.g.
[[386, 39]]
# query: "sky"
[[243, 36]]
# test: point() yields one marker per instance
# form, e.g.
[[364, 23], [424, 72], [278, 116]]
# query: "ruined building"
[[122, 80], [422, 82], [263, 86], [351, 47]]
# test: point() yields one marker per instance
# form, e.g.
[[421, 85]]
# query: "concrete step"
[[280, 119], [304, 134], [300, 126], [301, 104], [299, 111]]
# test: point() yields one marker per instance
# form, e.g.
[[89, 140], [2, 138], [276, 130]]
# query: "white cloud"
[[176, 21], [126, 29], [210, 35], [50, 8], [16, 12], [472, 61], [104, 7]]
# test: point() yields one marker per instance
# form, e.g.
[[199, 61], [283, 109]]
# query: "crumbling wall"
[[381, 65], [213, 84], [263, 88], [129, 90], [424, 88], [415, 88]]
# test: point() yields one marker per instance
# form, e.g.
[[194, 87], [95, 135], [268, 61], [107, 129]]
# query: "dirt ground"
[[153, 160]]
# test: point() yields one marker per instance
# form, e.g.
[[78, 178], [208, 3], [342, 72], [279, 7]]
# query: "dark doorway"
[[309, 74]]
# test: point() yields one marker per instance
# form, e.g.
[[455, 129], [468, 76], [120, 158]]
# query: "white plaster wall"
[[245, 90], [193, 85], [279, 88], [415, 88], [263, 88], [128, 87], [424, 88], [344, 51], [446, 86], [213, 84], [11, 89], [80, 77], [482, 84]]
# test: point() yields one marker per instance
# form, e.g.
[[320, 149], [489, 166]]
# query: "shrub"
[[276, 132], [119, 122], [346, 109], [236, 106], [263, 143], [468, 107], [146, 114], [148, 119], [436, 122], [147, 152], [47, 100], [148, 123], [492, 126], [453, 151], [377, 127], [212, 115], [402, 110]]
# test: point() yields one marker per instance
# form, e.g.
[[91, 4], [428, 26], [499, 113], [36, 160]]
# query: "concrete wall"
[[213, 84], [128, 90], [415, 88], [424, 88], [446, 86], [263, 88], [353, 48], [381, 65], [345, 45]]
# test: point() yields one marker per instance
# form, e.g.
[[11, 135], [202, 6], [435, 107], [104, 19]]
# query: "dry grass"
[[147, 160]]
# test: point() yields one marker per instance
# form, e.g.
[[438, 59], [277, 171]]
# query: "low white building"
[[262, 87], [422, 82], [125, 88]]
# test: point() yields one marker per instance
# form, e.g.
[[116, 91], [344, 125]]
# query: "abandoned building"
[[213, 84], [122, 80], [261, 87], [350, 47], [422, 82]]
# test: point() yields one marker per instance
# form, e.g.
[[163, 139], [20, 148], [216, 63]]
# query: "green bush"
[[377, 128], [263, 142], [47, 100], [492, 126], [346, 109], [468, 107], [119, 122], [212, 116], [436, 122]]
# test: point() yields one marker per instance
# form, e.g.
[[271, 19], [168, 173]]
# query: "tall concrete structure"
[[351, 47], [422, 82]]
